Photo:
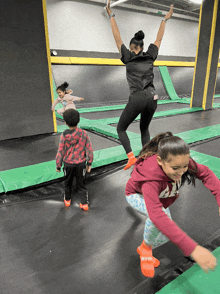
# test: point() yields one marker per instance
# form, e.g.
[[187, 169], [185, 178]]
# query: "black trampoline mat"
[[101, 114], [117, 113], [169, 106], [211, 147], [61, 251], [217, 100], [180, 123], [33, 150]]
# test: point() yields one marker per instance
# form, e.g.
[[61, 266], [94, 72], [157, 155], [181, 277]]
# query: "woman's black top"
[[139, 67]]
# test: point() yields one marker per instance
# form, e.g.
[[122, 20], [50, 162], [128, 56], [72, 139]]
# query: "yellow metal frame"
[[108, 61], [211, 45], [197, 50], [49, 59]]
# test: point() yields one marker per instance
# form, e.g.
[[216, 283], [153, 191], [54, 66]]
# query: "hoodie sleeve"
[[151, 191], [60, 153], [72, 98], [89, 151], [209, 180]]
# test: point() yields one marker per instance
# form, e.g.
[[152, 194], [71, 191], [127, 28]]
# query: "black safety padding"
[[25, 88]]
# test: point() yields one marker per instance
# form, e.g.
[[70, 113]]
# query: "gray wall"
[[25, 89], [86, 27]]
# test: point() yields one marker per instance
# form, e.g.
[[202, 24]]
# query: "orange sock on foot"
[[146, 258], [156, 262], [84, 206], [131, 160]]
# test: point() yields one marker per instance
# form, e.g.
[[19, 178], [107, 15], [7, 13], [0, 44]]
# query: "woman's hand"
[[108, 9], [169, 14], [205, 259], [81, 98]]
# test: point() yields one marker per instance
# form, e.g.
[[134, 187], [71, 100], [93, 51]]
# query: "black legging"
[[140, 102]]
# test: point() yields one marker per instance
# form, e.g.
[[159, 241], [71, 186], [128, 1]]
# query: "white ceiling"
[[182, 8]]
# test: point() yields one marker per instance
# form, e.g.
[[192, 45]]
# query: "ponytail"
[[137, 40], [151, 147], [63, 87]]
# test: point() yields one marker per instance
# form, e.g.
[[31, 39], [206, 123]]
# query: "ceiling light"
[[197, 1]]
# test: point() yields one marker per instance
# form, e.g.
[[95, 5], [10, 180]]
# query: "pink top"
[[66, 100], [160, 191]]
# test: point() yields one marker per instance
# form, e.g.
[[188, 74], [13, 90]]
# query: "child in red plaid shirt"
[[75, 151]]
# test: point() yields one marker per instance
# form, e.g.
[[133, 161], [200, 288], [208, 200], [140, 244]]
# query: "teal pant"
[[151, 234]]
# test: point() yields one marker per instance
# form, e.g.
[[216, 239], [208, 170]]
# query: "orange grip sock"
[[131, 160], [156, 262], [147, 262]]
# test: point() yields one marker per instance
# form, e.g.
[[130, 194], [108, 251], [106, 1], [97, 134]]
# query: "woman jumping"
[[139, 71]]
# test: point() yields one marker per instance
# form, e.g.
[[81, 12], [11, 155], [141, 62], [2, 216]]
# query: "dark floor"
[[19, 152], [180, 123], [32, 150], [117, 113], [49, 250]]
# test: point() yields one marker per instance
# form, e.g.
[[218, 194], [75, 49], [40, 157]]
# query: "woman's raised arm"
[[114, 27], [162, 27]]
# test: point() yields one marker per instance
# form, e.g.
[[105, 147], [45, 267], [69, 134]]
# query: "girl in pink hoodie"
[[163, 166]]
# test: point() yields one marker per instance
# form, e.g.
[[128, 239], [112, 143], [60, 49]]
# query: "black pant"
[[77, 171], [140, 102]]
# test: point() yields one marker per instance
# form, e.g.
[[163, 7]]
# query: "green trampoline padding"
[[168, 83], [200, 134], [43, 172], [195, 281], [114, 120], [27, 176], [212, 162]]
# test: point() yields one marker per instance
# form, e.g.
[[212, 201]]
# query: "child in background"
[[164, 165], [75, 151], [65, 99]]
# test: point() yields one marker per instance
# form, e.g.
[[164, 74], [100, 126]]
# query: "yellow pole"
[[49, 60]]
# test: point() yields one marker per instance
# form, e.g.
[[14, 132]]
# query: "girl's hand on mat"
[[81, 98], [205, 259], [58, 170], [88, 168], [169, 14], [108, 9]]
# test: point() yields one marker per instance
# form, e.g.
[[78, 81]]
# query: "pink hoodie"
[[160, 191]]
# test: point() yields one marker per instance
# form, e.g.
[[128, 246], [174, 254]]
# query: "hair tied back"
[[65, 85], [168, 135], [139, 36]]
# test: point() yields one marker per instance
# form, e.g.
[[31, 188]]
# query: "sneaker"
[[67, 203], [84, 206]]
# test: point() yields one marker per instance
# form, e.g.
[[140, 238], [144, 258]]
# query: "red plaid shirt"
[[75, 147]]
